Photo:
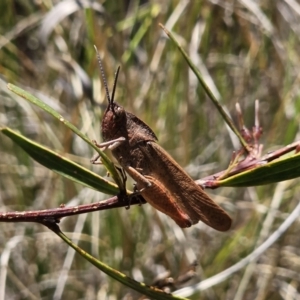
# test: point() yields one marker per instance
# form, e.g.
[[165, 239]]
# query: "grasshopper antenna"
[[103, 76], [110, 99], [115, 85]]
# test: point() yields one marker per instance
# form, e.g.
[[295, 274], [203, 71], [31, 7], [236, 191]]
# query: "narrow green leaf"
[[61, 165], [105, 160], [149, 291], [272, 172], [210, 94]]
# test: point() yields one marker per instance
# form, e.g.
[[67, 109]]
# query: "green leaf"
[[275, 171], [61, 165], [105, 160], [210, 94], [149, 291]]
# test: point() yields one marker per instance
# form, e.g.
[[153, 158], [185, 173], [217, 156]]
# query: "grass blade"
[[152, 292]]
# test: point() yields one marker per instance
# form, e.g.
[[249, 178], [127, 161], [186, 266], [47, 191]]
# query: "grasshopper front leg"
[[111, 145]]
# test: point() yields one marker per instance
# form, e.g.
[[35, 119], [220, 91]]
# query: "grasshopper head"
[[114, 120]]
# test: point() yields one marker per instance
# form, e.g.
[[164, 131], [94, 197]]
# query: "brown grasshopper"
[[159, 178]]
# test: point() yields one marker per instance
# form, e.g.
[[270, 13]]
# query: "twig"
[[55, 214]]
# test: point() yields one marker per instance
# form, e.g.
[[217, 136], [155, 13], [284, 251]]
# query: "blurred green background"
[[246, 50]]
